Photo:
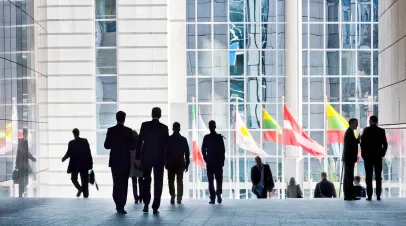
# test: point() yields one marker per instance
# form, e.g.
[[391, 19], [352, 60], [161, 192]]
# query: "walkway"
[[91, 212]]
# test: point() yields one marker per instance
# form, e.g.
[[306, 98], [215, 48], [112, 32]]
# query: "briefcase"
[[92, 179]]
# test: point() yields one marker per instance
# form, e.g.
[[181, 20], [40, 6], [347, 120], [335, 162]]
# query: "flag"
[[244, 139], [336, 126], [295, 136], [272, 130], [197, 156], [8, 135]]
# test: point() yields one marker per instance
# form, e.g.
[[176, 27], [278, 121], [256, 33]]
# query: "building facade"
[[23, 82]]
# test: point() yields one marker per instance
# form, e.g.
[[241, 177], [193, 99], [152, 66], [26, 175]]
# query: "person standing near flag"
[[213, 151], [349, 158]]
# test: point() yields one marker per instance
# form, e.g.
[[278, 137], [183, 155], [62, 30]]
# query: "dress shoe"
[[369, 199], [145, 210], [179, 201], [79, 193], [156, 212], [379, 198], [172, 201], [122, 212], [219, 199], [212, 202], [355, 198]]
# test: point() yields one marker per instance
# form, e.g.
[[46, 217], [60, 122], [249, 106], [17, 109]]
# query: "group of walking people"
[[152, 150]]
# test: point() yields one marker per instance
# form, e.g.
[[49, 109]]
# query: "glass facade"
[[23, 82], [236, 60]]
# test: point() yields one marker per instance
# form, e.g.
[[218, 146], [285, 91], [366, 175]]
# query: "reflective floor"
[[197, 212]]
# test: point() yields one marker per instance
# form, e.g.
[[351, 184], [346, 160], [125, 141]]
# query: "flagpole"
[[193, 154], [283, 150], [237, 160], [325, 135]]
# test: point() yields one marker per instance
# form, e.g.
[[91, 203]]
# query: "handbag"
[[14, 176]]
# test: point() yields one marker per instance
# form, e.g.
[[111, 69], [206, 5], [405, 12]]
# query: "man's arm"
[[187, 152], [107, 142], [140, 143], [67, 155], [271, 182], [222, 150], [384, 143], [204, 148]]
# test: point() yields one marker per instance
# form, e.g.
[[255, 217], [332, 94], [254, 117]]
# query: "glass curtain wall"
[[23, 80], [235, 62]]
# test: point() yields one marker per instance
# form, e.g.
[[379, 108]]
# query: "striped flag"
[[336, 127], [272, 130], [295, 136], [197, 156]]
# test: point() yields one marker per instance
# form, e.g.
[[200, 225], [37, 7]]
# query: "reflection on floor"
[[44, 212]]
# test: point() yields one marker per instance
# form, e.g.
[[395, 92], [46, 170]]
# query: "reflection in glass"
[[191, 63], [364, 36], [316, 89], [305, 89], [348, 63], [333, 89], [281, 36], [268, 10], [253, 63], [105, 9], [236, 59], [375, 10], [236, 32], [220, 63], [316, 36], [348, 89], [236, 9], [281, 63], [364, 89], [253, 40], [281, 10], [106, 88], [268, 36], [100, 138], [348, 8], [376, 36], [269, 89], [305, 35], [348, 36], [204, 10], [375, 62], [333, 63], [316, 10], [220, 36], [106, 61], [105, 115], [305, 116], [204, 36], [254, 120], [305, 63], [364, 63], [316, 62], [332, 10], [220, 11], [305, 17], [220, 115], [237, 89], [191, 89], [204, 63], [204, 89], [105, 32], [348, 111], [375, 89], [316, 116], [333, 38], [221, 90], [190, 10], [254, 94], [191, 36], [364, 14]]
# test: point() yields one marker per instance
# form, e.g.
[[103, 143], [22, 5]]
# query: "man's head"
[[373, 120], [25, 133], [323, 175], [156, 113], [212, 126], [176, 127], [75, 132], [353, 123], [120, 117], [357, 179], [258, 160]]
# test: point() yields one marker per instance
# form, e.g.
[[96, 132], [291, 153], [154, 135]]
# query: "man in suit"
[[120, 141], [81, 162], [150, 154], [177, 162], [373, 149], [213, 151], [325, 189], [349, 158], [261, 176]]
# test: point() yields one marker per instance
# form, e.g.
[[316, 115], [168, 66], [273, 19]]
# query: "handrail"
[[28, 174]]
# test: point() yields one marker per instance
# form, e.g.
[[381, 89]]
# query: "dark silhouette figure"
[[22, 165], [120, 141], [136, 174], [373, 149], [80, 162], [261, 177], [359, 191], [325, 189], [213, 151], [349, 158], [151, 150], [177, 162]]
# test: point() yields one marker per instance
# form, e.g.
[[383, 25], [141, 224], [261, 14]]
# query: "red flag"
[[295, 136], [197, 156]]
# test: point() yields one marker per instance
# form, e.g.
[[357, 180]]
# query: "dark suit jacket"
[[268, 179], [178, 154], [80, 155], [213, 150], [325, 187], [373, 143], [23, 155], [152, 143], [350, 152], [120, 141]]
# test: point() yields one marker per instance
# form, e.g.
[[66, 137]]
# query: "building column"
[[293, 164]]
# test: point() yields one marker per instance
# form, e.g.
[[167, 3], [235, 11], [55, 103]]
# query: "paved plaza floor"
[[89, 212]]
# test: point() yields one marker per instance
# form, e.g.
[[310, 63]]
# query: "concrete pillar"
[[293, 164]]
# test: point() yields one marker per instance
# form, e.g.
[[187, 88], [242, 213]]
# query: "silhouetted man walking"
[[150, 154], [373, 149], [22, 165], [120, 141], [350, 155], [80, 162], [213, 151], [177, 162]]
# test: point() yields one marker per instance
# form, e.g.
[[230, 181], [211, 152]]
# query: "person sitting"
[[262, 180], [324, 189], [293, 190], [359, 191]]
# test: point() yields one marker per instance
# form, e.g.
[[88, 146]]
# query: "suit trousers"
[[158, 185], [84, 177], [348, 180], [178, 173], [120, 186], [218, 174], [370, 167], [135, 181]]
